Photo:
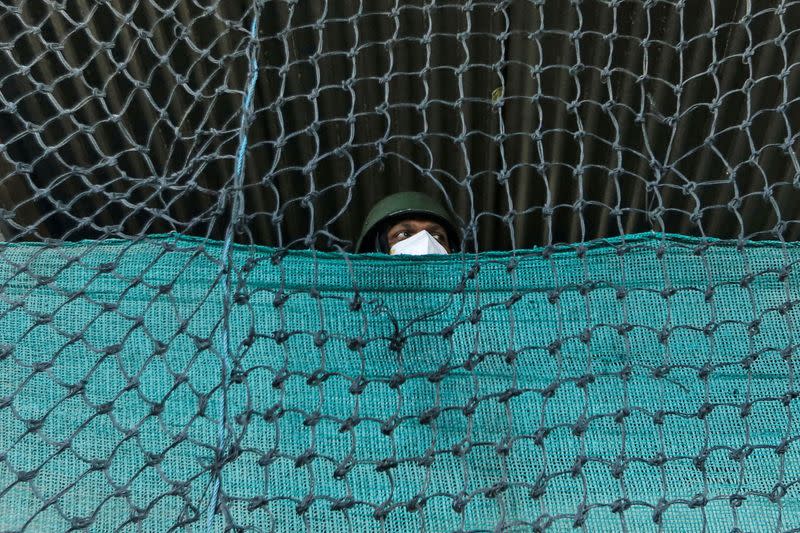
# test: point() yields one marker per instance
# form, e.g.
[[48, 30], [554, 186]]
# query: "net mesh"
[[186, 341]]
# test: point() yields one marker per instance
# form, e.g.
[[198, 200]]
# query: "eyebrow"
[[435, 226], [400, 225], [408, 225]]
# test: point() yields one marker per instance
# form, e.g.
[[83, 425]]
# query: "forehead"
[[414, 222]]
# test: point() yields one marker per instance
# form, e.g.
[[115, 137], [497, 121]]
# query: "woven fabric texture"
[[644, 383]]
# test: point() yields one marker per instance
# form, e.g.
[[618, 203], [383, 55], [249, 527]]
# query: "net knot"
[[389, 425], [554, 347], [741, 453], [343, 468], [577, 466], [416, 503], [542, 523], [237, 376], [620, 505], [273, 413], [705, 371], [397, 342], [539, 488], [496, 489], [356, 343], [623, 328], [439, 374], [280, 378], [81, 522], [580, 426], [98, 464], [584, 381], [343, 504], [256, 503], [550, 390], [662, 371], [397, 380], [382, 511], [426, 459], [76, 388], [745, 409], [619, 466], [448, 331], [460, 449], [508, 394], [304, 458], [581, 513], [783, 447], [748, 361], [778, 492], [474, 360], [137, 515], [658, 460], [430, 415], [471, 406], [41, 366], [540, 435], [358, 385], [705, 410], [268, 458], [736, 500], [320, 338], [659, 510], [153, 459], [318, 377], [700, 460], [241, 419], [33, 425], [132, 384], [511, 356], [312, 419], [460, 502], [697, 501], [303, 505], [503, 447], [280, 336]]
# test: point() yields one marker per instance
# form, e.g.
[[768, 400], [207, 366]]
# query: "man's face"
[[407, 227]]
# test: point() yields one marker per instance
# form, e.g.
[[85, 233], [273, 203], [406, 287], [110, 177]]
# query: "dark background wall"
[[536, 121]]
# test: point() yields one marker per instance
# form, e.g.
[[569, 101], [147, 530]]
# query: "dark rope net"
[[187, 343]]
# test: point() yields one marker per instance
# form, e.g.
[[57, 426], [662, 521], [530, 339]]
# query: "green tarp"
[[640, 384]]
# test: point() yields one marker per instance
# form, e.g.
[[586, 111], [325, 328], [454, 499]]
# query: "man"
[[409, 223]]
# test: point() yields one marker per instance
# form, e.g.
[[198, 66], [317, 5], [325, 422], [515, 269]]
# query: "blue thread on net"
[[236, 208]]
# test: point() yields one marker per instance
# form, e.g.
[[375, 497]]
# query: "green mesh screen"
[[188, 343]]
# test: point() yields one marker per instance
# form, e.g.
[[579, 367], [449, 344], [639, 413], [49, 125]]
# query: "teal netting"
[[638, 383]]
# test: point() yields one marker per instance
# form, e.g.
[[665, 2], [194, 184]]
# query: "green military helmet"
[[403, 205]]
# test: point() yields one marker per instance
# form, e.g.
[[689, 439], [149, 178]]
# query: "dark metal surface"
[[549, 121]]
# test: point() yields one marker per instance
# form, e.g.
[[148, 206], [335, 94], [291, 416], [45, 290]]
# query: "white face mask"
[[421, 243]]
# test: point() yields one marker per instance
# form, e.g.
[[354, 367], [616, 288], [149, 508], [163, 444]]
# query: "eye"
[[438, 236], [401, 235]]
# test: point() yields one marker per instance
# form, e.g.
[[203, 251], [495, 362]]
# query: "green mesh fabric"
[[644, 383]]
